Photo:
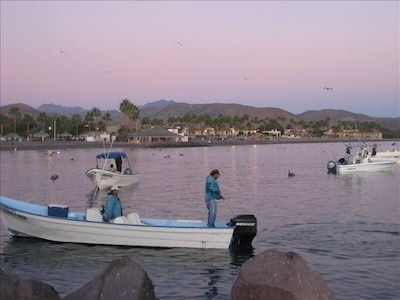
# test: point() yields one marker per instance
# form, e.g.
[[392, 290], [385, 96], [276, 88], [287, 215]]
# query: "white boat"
[[106, 178], [57, 223], [392, 154], [361, 161]]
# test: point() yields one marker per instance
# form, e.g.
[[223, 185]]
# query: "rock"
[[279, 276], [122, 279], [13, 286]]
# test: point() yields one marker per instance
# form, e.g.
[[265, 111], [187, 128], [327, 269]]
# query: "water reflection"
[[346, 226], [68, 266]]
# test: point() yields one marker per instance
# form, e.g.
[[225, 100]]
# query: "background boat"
[[391, 154], [359, 158], [111, 172]]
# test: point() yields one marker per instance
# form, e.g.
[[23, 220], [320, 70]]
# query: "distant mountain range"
[[164, 109]]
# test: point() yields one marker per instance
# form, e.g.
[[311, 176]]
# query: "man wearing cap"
[[213, 194], [113, 207]]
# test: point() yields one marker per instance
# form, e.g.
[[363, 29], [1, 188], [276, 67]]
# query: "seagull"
[[291, 174], [54, 176], [51, 153], [328, 88]]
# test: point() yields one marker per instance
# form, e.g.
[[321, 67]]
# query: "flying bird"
[[179, 43], [54, 176], [328, 88], [291, 174], [245, 78], [62, 51], [51, 153]]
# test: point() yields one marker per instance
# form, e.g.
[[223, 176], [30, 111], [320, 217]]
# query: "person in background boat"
[[212, 195], [112, 168], [374, 149], [113, 207]]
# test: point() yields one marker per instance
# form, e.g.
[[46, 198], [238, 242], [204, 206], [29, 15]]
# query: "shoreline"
[[55, 145]]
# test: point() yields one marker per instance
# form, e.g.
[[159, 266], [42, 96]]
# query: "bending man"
[[212, 195]]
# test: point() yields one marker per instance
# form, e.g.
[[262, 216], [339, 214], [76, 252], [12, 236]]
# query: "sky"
[[258, 53]]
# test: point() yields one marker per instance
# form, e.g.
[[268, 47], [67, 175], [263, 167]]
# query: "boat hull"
[[365, 167], [74, 228], [105, 179]]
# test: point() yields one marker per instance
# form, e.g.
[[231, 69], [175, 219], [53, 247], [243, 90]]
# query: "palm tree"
[[76, 121], [28, 121], [130, 110], [15, 114], [106, 119], [43, 119], [89, 118], [96, 112]]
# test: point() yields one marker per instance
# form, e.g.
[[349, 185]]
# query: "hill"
[[24, 109], [164, 109], [335, 116]]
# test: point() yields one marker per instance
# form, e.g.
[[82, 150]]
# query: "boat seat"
[[133, 218], [120, 220], [93, 214]]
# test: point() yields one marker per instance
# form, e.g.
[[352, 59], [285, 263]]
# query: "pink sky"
[[259, 53]]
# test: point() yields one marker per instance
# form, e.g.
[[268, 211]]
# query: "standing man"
[[113, 207], [213, 194]]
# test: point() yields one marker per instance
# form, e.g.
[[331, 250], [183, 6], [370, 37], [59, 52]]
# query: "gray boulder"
[[122, 279], [279, 276], [14, 287]]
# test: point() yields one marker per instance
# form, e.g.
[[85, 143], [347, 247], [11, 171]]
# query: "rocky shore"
[[269, 275]]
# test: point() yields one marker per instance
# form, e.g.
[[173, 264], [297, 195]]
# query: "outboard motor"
[[331, 167], [244, 233]]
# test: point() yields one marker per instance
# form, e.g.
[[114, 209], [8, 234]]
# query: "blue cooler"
[[54, 210]]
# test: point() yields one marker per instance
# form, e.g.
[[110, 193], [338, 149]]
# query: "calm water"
[[345, 226]]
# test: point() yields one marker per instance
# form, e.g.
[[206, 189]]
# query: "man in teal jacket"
[[113, 207], [212, 195]]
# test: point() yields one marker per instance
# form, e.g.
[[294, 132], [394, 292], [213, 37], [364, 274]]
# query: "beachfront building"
[[353, 134], [155, 135]]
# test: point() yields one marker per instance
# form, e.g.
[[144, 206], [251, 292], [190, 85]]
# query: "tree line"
[[97, 120], [94, 120]]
